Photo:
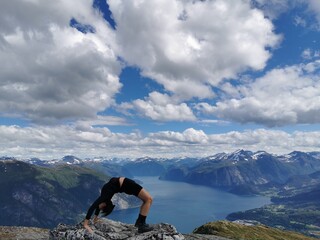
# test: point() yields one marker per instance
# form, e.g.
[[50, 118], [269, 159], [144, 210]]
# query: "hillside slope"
[[240, 231], [38, 196], [296, 206]]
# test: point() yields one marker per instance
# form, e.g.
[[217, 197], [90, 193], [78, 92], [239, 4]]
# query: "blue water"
[[187, 206]]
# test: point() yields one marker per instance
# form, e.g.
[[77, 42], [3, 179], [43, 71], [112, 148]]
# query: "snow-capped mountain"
[[235, 157]]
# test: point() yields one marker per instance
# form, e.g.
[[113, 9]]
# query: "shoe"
[[143, 227]]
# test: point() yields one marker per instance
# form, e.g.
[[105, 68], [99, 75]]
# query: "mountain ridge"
[[70, 159]]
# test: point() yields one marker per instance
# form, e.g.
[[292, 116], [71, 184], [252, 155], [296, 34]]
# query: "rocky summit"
[[106, 229]]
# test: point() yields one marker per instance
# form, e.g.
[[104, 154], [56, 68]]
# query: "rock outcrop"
[[106, 229], [25, 233]]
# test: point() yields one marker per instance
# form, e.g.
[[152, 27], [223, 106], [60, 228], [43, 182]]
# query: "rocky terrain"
[[23, 233], [106, 229], [103, 230]]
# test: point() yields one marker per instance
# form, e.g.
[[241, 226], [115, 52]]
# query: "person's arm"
[[94, 206], [97, 211], [96, 214], [95, 219], [86, 226]]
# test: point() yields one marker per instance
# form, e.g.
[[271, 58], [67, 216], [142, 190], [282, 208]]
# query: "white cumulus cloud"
[[58, 141], [161, 107], [49, 70], [288, 95], [190, 46]]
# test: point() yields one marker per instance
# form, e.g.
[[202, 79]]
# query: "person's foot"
[[143, 227]]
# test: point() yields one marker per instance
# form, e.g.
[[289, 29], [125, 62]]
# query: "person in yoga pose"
[[117, 185]]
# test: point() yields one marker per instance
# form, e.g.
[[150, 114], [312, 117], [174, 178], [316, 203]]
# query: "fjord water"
[[187, 206]]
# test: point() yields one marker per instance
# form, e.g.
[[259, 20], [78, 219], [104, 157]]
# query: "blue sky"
[[158, 78]]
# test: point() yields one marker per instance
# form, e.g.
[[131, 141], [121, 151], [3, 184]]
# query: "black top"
[[107, 192]]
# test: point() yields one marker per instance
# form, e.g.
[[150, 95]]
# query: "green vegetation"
[[296, 207], [239, 231], [68, 176], [303, 220]]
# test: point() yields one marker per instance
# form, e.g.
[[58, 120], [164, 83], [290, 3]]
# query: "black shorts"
[[130, 187]]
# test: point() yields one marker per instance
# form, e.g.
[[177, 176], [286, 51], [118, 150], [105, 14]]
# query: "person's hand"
[[96, 219], [86, 226]]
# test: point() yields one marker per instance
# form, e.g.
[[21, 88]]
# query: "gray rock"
[[25, 233], [107, 229]]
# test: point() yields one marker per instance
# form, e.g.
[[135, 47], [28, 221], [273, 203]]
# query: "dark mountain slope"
[[42, 196]]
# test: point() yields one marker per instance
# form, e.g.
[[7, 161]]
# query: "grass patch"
[[240, 231]]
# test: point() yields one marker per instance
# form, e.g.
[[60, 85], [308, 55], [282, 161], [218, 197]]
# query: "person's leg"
[[144, 210], [130, 187], [146, 202]]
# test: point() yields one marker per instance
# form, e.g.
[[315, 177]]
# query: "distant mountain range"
[[245, 172], [240, 172]]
